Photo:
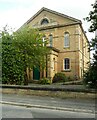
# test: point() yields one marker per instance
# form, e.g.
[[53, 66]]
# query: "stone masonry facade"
[[69, 44]]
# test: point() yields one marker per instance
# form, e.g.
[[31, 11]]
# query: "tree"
[[29, 42], [12, 69], [90, 77], [25, 48]]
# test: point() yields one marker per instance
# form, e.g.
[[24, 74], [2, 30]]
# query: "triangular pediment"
[[50, 17]]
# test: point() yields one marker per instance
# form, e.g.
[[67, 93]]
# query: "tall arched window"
[[43, 40], [66, 64], [44, 21], [51, 40], [66, 40]]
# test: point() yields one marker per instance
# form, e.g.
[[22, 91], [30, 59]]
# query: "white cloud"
[[16, 1], [15, 18], [24, 9], [15, 13]]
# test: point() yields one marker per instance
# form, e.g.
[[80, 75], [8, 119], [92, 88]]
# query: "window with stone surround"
[[44, 21], [66, 40], [43, 40], [51, 40], [66, 64]]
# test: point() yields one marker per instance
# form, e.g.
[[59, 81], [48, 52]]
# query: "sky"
[[15, 13]]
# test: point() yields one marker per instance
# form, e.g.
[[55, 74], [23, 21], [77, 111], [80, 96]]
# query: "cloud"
[[17, 12], [15, 1]]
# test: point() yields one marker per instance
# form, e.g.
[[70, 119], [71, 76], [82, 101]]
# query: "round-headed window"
[[44, 21]]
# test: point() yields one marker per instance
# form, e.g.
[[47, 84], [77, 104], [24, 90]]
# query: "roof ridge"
[[52, 11], [64, 15]]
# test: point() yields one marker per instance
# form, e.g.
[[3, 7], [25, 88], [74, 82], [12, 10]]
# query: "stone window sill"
[[66, 70]]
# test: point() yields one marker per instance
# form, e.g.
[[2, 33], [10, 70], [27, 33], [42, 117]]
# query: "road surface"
[[85, 104], [74, 108], [10, 111]]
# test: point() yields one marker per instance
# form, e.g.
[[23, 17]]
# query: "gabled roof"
[[54, 12]]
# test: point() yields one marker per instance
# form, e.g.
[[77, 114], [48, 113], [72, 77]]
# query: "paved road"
[[9, 111], [83, 104]]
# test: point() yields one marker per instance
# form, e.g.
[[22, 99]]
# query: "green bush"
[[44, 81], [70, 78], [90, 78], [59, 77]]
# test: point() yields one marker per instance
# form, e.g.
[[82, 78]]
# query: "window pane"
[[66, 40], [43, 40], [51, 40], [44, 21], [66, 64]]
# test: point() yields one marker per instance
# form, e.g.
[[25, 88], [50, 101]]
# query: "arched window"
[[66, 40], [51, 40], [44, 40], [44, 21], [66, 64]]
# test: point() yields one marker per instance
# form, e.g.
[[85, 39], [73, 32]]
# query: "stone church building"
[[67, 40]]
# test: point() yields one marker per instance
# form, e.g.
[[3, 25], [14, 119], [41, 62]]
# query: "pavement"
[[77, 105], [58, 85], [52, 87], [66, 104]]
